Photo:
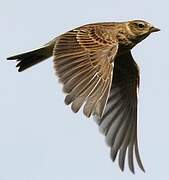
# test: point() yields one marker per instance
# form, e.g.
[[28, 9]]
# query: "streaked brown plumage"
[[95, 65]]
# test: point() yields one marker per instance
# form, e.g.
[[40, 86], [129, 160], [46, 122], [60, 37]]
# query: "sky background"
[[40, 138]]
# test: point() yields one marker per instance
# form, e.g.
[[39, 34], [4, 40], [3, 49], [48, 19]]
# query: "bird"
[[100, 76]]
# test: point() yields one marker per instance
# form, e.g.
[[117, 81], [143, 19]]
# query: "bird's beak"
[[154, 29]]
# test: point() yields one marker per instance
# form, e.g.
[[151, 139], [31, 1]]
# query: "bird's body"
[[95, 66]]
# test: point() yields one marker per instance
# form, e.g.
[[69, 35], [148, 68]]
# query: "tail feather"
[[28, 59]]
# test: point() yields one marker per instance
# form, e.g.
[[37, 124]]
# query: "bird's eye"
[[141, 25]]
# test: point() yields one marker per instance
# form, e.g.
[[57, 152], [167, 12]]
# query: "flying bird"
[[98, 72]]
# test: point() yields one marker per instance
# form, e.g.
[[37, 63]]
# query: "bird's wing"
[[83, 60], [119, 121]]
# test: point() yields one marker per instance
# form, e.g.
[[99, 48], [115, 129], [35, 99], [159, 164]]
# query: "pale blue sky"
[[40, 138]]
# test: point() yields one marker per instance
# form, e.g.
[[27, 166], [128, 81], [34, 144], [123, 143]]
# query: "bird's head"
[[139, 29]]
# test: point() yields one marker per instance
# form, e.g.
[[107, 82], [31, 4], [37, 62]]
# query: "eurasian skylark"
[[97, 70]]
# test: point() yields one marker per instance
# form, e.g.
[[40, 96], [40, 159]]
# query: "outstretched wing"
[[119, 121], [83, 60]]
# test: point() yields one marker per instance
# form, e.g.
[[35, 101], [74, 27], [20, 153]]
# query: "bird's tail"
[[28, 59]]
